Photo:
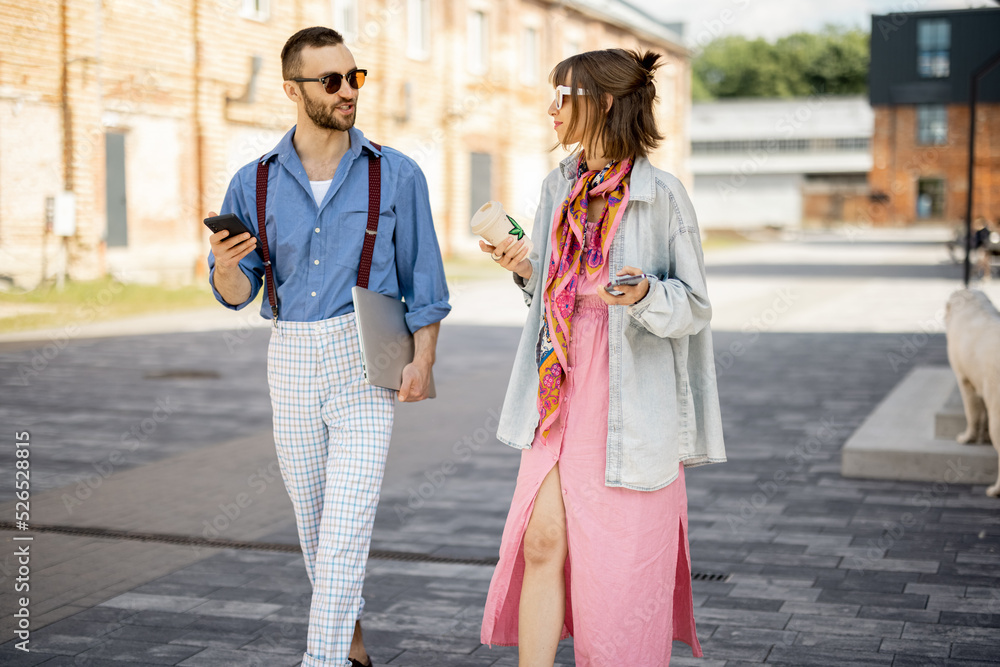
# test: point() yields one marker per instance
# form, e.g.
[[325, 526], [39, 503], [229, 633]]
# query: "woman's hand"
[[632, 293], [511, 255]]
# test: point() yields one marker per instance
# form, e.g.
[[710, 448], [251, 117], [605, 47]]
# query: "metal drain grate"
[[182, 374], [216, 543]]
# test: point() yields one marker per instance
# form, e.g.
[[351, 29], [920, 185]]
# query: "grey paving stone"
[[985, 652], [161, 619], [803, 656], [213, 639], [234, 608], [150, 654], [897, 614], [929, 649], [733, 602], [141, 602], [16, 658], [844, 626], [216, 657], [905, 660], [437, 659]]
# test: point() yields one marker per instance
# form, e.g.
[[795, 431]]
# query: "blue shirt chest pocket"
[[351, 230]]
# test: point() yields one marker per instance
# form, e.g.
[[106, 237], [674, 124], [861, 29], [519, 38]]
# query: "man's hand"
[[417, 373], [229, 251], [416, 382]]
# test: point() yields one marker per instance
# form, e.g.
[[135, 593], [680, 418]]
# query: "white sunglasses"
[[562, 91]]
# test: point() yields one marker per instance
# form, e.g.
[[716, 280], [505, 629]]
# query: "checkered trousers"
[[331, 433]]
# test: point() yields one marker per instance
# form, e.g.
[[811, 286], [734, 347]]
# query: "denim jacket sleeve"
[[677, 305]]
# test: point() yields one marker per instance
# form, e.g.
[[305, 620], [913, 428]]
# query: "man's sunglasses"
[[332, 82]]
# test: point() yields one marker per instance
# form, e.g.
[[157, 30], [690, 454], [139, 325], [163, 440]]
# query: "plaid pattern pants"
[[331, 433]]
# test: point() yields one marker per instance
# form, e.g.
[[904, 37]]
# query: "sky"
[[770, 19]]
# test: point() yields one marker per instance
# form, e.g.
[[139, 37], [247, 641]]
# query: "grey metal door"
[[480, 182], [117, 228]]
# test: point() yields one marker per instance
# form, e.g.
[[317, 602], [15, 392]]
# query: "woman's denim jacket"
[[664, 401]]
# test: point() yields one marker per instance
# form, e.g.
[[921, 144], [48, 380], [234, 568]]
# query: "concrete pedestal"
[[911, 436]]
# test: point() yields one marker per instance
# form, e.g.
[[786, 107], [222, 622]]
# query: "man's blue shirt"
[[315, 250]]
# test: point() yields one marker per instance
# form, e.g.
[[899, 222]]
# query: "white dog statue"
[[973, 331]]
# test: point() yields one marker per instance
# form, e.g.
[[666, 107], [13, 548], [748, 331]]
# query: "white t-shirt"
[[319, 189]]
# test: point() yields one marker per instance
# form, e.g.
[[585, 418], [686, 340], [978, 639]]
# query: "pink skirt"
[[628, 570]]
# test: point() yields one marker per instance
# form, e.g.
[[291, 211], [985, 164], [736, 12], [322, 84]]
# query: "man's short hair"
[[291, 53]]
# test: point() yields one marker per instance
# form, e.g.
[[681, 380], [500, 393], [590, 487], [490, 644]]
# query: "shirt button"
[[315, 261], [317, 230], [314, 293]]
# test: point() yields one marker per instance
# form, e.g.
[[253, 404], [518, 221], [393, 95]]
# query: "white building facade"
[[779, 162]]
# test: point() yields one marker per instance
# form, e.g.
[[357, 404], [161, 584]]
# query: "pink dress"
[[628, 570]]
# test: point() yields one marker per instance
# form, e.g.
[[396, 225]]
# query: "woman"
[[611, 397]]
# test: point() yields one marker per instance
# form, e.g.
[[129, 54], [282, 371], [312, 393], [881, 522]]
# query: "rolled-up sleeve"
[[253, 264], [419, 268], [677, 305]]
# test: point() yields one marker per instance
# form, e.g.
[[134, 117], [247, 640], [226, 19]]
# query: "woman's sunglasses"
[[562, 91], [332, 82]]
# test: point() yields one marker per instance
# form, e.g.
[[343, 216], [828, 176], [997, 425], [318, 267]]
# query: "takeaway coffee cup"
[[493, 224]]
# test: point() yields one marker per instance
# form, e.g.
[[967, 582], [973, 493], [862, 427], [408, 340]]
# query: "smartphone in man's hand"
[[230, 223]]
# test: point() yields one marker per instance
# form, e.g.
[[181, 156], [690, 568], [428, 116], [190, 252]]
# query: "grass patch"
[[82, 302], [461, 268]]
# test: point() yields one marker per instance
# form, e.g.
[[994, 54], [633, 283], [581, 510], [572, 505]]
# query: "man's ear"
[[292, 91]]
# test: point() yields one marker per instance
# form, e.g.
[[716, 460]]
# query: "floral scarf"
[[568, 254]]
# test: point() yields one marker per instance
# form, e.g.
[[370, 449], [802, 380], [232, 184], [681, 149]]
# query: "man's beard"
[[327, 117]]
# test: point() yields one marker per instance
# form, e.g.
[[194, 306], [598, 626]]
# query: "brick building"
[[122, 121], [919, 82]]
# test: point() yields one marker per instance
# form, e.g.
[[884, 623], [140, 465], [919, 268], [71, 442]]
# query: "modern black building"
[[919, 82]]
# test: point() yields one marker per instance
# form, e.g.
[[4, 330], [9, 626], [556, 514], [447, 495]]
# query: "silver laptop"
[[386, 343]]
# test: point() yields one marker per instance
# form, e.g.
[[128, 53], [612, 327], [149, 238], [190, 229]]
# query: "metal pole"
[[979, 73], [972, 171]]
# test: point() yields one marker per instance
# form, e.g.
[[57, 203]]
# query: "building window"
[[930, 198], [529, 54], [933, 48], [345, 18], [932, 124], [418, 42], [258, 10], [478, 46]]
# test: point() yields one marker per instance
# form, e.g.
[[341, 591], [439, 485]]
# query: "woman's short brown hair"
[[628, 128]]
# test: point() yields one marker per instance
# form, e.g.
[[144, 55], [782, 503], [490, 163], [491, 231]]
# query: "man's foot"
[[361, 658]]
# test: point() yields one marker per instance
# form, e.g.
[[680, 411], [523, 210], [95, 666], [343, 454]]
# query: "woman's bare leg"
[[543, 591]]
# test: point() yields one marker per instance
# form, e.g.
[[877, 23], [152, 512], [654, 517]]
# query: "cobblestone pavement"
[[824, 570]]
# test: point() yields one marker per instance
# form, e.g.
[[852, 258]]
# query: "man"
[[331, 429]]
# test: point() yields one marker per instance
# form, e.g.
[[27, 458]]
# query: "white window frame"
[[256, 10], [418, 29], [530, 48], [346, 18], [932, 125], [478, 51]]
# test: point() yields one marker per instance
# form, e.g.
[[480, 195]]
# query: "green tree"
[[833, 61]]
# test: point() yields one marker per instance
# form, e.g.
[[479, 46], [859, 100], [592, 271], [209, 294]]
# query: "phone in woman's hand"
[[624, 280]]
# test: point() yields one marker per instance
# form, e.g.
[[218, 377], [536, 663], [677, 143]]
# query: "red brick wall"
[[899, 162]]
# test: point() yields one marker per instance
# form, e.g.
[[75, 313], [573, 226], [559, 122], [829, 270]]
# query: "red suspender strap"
[[374, 201], [272, 295]]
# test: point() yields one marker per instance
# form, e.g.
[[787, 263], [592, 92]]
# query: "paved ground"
[[824, 570]]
